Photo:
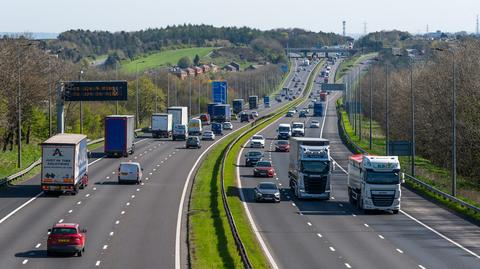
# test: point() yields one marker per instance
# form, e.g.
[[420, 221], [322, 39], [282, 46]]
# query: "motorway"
[[129, 226], [334, 234]]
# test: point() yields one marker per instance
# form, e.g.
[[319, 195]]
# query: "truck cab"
[[310, 168], [298, 129], [374, 182], [284, 131]]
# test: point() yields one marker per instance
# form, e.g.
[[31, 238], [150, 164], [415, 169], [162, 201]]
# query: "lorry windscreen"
[[284, 129], [315, 167], [382, 178]]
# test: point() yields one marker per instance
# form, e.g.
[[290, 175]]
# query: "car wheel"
[[80, 253], [395, 211]]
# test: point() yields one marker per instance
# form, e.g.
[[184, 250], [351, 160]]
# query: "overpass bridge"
[[302, 52]]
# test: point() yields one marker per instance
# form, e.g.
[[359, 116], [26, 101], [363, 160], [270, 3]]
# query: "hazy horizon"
[[56, 16]]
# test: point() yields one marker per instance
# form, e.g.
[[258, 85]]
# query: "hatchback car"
[[257, 141], [267, 191], [208, 135], [130, 172], [263, 169], [302, 114], [282, 146], [314, 124], [255, 113], [290, 113], [66, 238], [252, 157], [193, 142], [227, 125]]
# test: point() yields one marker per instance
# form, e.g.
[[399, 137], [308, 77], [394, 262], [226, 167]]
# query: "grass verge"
[[429, 173], [163, 58], [345, 66], [211, 241]]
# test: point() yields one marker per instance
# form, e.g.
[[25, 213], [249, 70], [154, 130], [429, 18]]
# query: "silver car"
[[227, 125], [314, 124], [267, 191]]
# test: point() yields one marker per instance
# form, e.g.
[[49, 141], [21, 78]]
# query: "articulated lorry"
[[162, 124], [237, 106], [253, 102], [64, 163], [179, 114], [310, 167], [119, 135], [221, 113], [318, 109], [374, 182], [266, 101]]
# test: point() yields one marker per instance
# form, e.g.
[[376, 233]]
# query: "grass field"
[[424, 169], [163, 58], [8, 159]]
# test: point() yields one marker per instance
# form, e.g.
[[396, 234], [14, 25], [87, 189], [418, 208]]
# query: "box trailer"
[[179, 114], [64, 163], [119, 135]]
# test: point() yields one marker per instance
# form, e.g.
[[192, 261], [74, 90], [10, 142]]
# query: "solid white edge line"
[[19, 208], [432, 230], [182, 202]]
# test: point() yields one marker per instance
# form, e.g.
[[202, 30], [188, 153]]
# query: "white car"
[[130, 172], [227, 125], [314, 124], [257, 141], [255, 113], [208, 135]]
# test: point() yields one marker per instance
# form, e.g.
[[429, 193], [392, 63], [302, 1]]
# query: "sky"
[[316, 15]]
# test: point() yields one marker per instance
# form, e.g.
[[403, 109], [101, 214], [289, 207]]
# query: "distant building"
[[190, 71], [198, 70], [229, 68], [179, 73], [213, 68], [236, 65], [252, 67]]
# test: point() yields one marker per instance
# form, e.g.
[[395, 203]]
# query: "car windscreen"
[[382, 177], [64, 231], [283, 129], [264, 164], [282, 142], [297, 125], [254, 153], [130, 168], [267, 186], [257, 137]]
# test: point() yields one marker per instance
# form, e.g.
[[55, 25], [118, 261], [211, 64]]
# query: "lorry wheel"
[[75, 190]]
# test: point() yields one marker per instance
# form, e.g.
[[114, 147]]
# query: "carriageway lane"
[[102, 208]]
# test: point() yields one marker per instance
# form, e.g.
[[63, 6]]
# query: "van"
[[284, 131], [179, 132]]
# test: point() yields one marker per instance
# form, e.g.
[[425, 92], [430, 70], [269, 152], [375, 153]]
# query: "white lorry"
[[298, 129], [180, 121], [64, 163], [162, 124], [374, 182], [310, 167]]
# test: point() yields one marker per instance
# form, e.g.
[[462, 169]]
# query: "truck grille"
[[315, 185], [382, 199]]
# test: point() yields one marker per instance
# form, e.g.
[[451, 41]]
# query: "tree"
[[184, 62], [196, 60]]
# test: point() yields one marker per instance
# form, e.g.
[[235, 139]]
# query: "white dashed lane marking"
[[25, 261], [399, 250], [381, 236], [105, 247], [38, 245], [319, 235], [97, 263], [332, 249]]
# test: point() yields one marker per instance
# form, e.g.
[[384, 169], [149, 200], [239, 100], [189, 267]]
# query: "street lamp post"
[[116, 78], [371, 108], [387, 150], [81, 105], [136, 95], [454, 119]]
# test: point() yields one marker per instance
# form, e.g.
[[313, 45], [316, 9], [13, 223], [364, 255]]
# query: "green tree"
[[148, 93], [196, 60], [184, 62]]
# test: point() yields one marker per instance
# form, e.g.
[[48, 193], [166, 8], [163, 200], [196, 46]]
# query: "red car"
[[282, 145], [205, 118], [263, 168], [66, 238]]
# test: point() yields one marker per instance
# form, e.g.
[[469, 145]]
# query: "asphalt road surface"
[[334, 234]]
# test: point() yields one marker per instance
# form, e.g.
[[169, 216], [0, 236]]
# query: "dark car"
[[217, 128], [244, 117], [302, 114], [282, 145], [252, 157], [66, 238], [193, 142], [267, 191]]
